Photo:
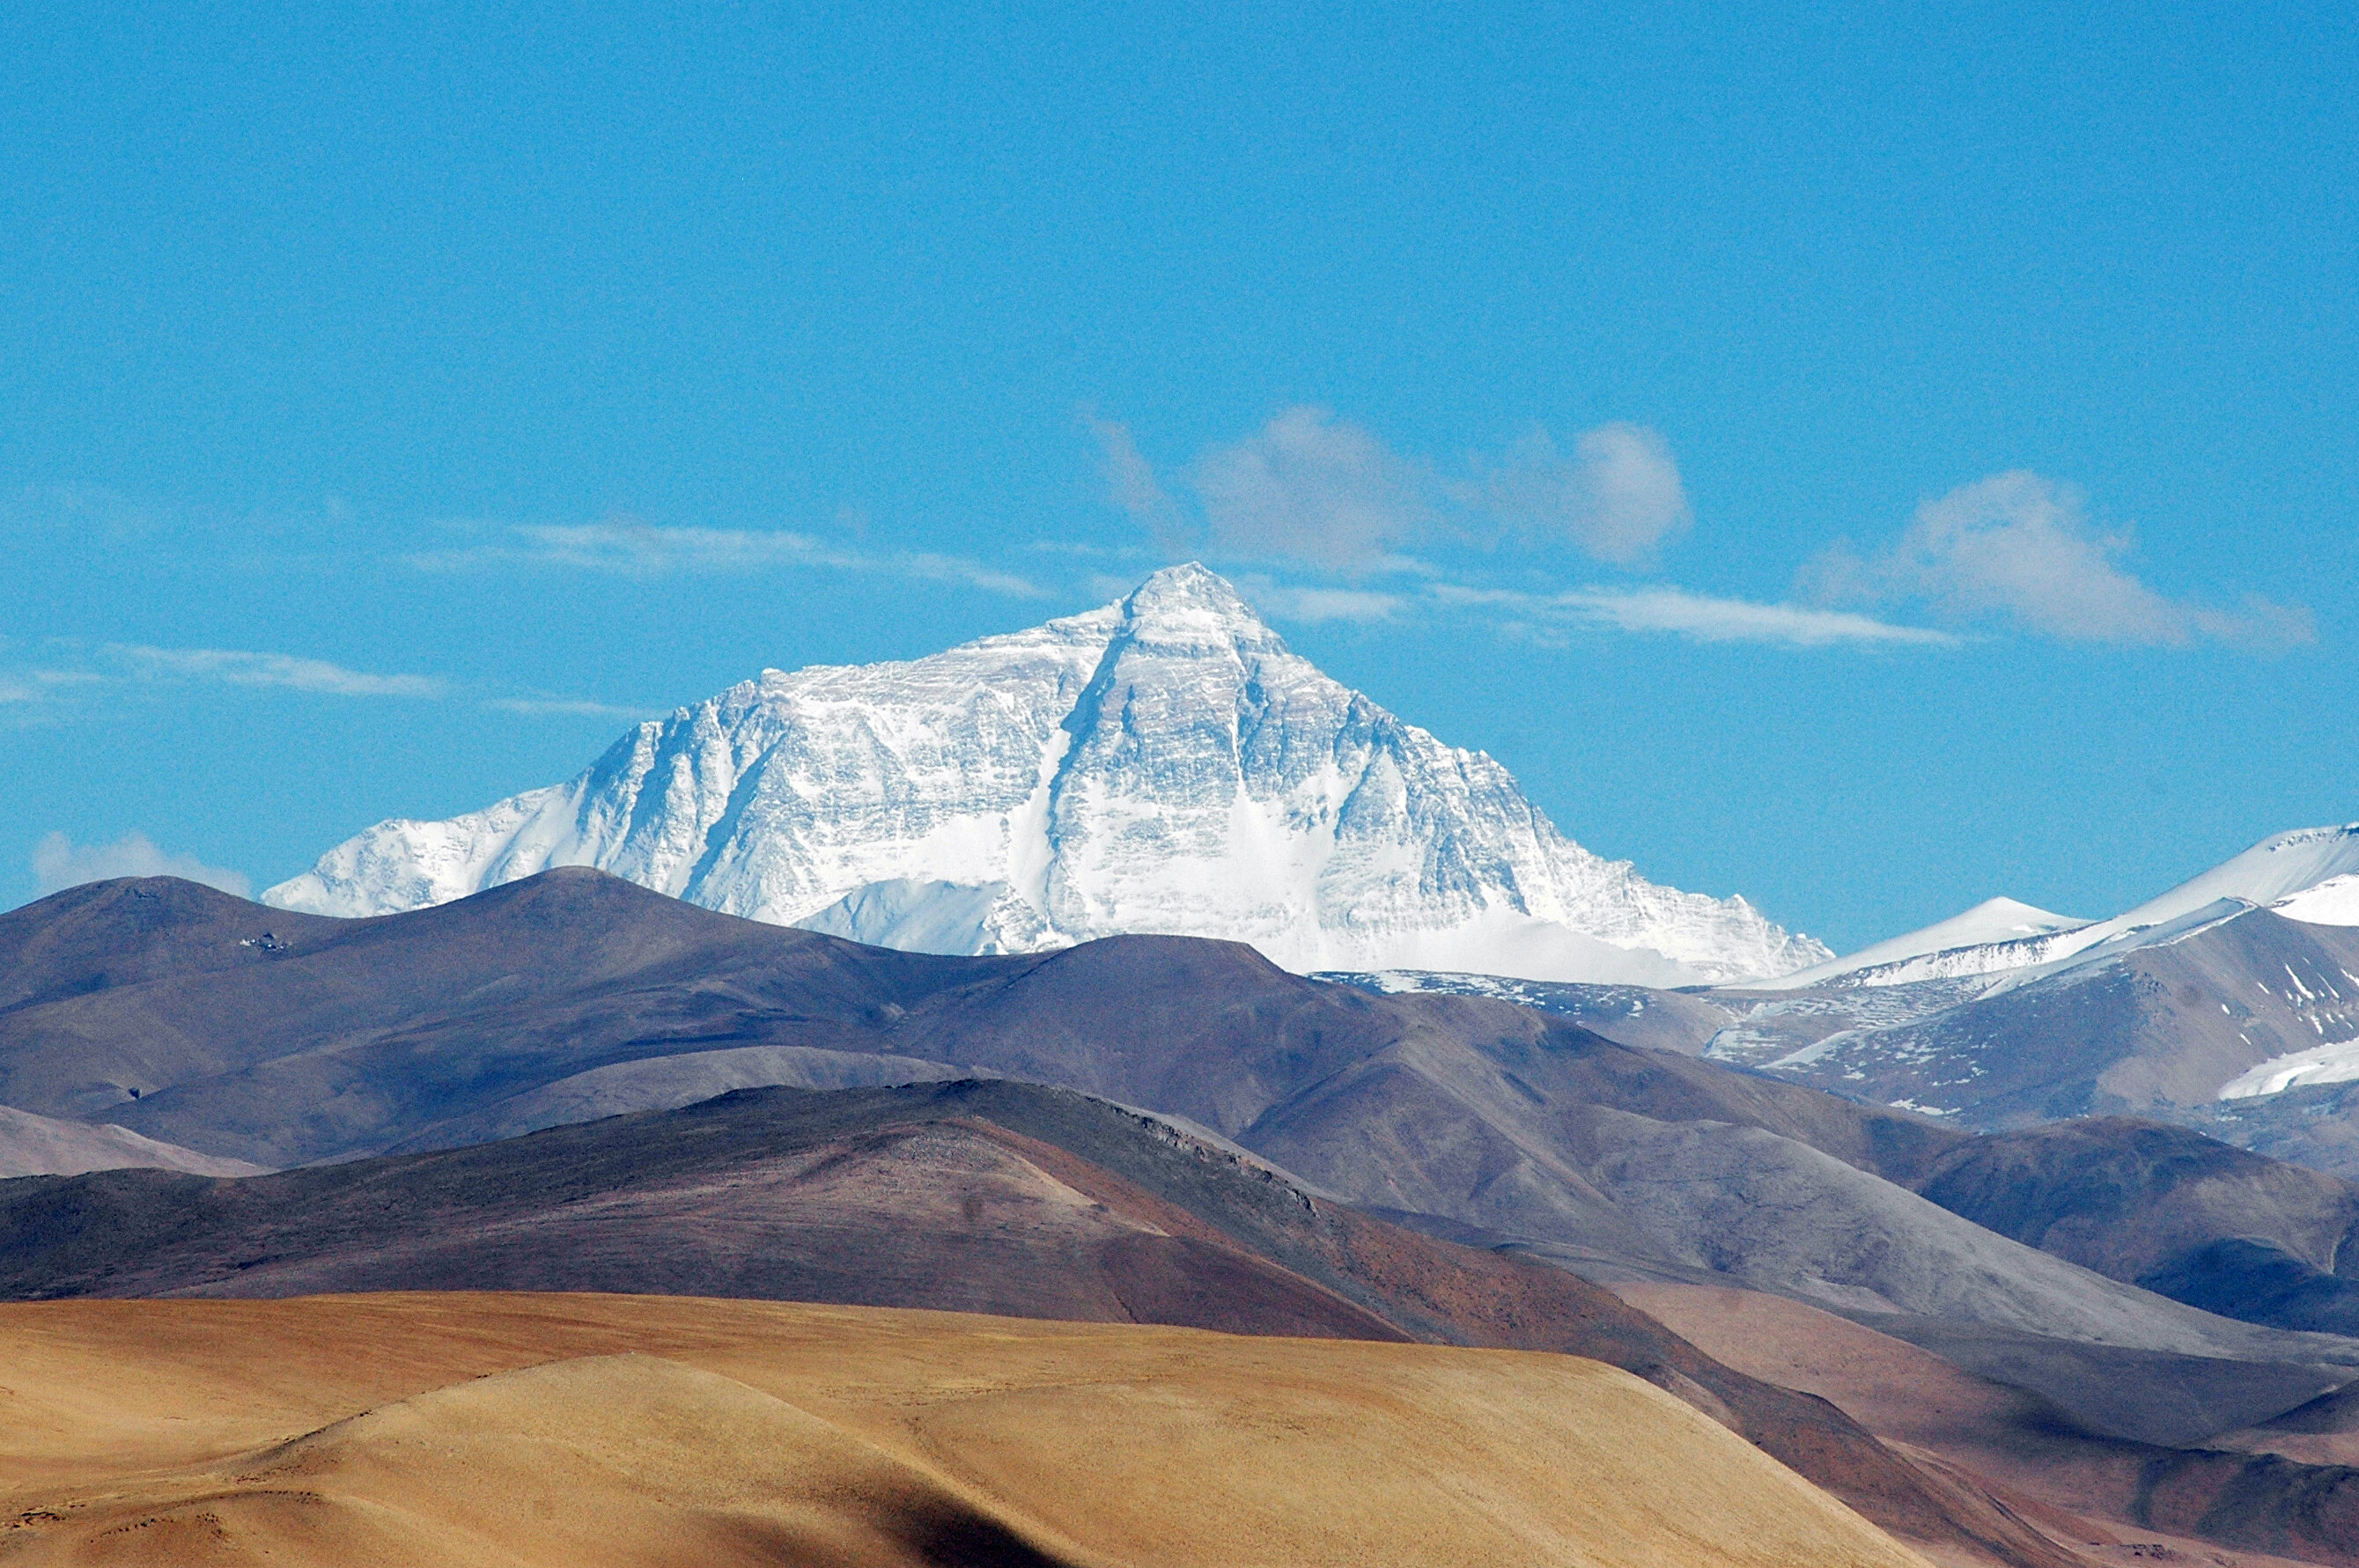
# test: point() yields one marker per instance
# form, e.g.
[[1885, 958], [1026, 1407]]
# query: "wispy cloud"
[[1701, 618], [2021, 548], [237, 667], [1313, 488], [32, 686], [1130, 481], [563, 708], [1314, 605], [625, 547], [59, 862], [44, 694]]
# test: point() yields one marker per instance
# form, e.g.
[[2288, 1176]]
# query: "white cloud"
[[1309, 487], [235, 667], [40, 686], [956, 568], [638, 549], [1700, 618], [34, 691], [2019, 547], [1313, 488], [1707, 619], [59, 862], [629, 547], [1618, 498]]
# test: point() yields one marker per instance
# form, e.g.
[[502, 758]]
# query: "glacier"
[[1163, 765]]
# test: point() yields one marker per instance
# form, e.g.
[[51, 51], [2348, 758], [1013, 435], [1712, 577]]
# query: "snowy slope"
[[1164, 764], [1995, 923], [2273, 870], [2237, 986]]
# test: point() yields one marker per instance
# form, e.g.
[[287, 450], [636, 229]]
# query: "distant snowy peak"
[[2311, 874], [1997, 933], [1163, 765]]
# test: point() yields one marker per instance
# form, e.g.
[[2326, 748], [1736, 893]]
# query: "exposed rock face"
[[1163, 765]]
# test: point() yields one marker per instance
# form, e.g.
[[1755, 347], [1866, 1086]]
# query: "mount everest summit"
[[1162, 764]]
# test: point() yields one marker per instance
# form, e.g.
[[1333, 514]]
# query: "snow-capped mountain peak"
[[1192, 608], [2309, 874], [1165, 764], [1995, 934]]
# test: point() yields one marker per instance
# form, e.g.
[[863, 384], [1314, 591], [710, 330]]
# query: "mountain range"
[[2229, 1004], [1165, 764]]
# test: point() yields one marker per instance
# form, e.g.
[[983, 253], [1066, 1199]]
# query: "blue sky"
[[1866, 461]]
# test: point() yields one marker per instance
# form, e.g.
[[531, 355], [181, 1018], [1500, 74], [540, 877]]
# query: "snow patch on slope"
[[2335, 902], [2336, 1062]]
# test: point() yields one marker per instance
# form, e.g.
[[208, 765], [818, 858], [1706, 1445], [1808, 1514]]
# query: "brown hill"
[[595, 1431]]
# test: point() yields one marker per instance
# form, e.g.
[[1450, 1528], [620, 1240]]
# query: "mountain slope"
[[46, 1146], [448, 1024], [353, 1036], [1998, 924], [2027, 1446], [1162, 764], [2168, 1208], [2308, 869]]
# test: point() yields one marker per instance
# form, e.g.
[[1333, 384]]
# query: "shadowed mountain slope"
[[287, 1038], [2171, 1209]]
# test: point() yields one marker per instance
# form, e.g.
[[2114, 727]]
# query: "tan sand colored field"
[[611, 1429]]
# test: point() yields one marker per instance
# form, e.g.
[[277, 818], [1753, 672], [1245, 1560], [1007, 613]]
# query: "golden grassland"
[[587, 1431]]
